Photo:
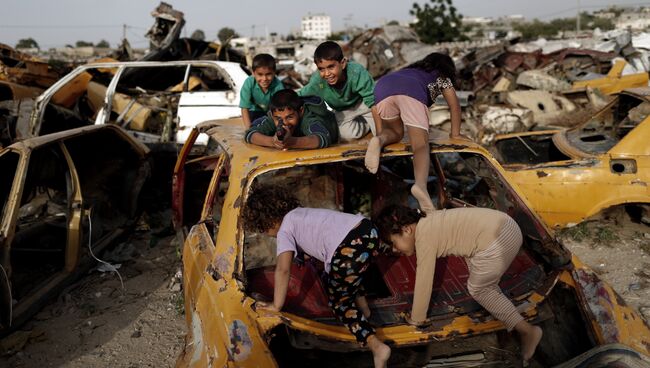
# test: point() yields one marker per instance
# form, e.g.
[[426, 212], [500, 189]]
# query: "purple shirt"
[[412, 82], [315, 231]]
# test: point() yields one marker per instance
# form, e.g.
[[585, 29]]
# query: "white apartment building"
[[317, 26]]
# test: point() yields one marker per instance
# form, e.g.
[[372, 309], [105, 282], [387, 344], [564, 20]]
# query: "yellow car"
[[228, 270], [572, 174]]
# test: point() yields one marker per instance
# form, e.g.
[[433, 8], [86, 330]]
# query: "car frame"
[[569, 175], [193, 106], [225, 328], [54, 188]]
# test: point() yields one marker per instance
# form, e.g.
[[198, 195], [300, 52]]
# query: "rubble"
[[545, 106], [540, 80]]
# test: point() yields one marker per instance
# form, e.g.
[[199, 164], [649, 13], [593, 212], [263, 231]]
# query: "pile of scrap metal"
[[178, 84], [510, 87], [22, 78], [158, 102]]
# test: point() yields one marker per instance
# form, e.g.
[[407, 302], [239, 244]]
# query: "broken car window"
[[8, 167]]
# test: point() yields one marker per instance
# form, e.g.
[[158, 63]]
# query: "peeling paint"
[[222, 263], [600, 304], [542, 174], [197, 339], [240, 342], [639, 182], [216, 276]]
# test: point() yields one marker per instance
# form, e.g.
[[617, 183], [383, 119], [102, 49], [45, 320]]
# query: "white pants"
[[355, 122]]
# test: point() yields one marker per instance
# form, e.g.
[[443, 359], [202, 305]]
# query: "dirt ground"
[[618, 249], [96, 324]]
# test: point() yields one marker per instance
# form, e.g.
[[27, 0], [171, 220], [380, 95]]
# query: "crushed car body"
[[63, 196], [569, 175], [226, 269], [158, 102]]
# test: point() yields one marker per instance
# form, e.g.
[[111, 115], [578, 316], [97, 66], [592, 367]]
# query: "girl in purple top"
[[403, 98], [345, 243]]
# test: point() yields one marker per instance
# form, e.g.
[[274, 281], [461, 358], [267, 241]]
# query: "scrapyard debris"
[[167, 26], [500, 120], [74, 193], [167, 45], [26, 70], [540, 80], [545, 106], [157, 101], [384, 49]]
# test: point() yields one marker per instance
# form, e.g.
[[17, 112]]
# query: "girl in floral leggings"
[[345, 243]]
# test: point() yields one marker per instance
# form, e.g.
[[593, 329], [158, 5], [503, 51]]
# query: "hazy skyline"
[[56, 23]]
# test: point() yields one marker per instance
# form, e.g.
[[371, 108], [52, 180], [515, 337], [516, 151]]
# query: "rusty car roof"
[[229, 134]]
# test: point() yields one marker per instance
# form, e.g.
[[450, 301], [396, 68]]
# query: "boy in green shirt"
[[348, 89], [258, 89], [294, 122]]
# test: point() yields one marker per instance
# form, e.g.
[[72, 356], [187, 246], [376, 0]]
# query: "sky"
[[61, 22]]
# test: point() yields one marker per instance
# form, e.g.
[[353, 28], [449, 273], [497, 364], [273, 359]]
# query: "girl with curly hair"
[[489, 239], [345, 243]]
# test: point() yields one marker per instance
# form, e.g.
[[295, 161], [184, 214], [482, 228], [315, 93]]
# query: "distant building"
[[635, 20], [604, 14], [317, 26]]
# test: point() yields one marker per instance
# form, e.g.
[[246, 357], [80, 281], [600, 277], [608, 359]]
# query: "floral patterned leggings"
[[348, 265]]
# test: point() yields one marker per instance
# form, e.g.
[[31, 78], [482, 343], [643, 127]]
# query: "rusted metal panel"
[[239, 334]]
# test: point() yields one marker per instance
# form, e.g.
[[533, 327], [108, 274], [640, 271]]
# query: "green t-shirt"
[[316, 120], [358, 86], [252, 98]]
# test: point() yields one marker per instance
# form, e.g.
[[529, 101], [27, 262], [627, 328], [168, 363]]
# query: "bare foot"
[[372, 155], [529, 341], [380, 352], [422, 197]]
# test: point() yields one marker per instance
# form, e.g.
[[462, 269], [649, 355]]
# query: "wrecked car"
[[569, 175], [227, 270], [158, 102], [64, 197]]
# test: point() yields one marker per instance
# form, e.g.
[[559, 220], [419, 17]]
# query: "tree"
[[393, 23], [198, 35], [83, 44], [226, 34], [27, 43], [103, 44], [438, 22]]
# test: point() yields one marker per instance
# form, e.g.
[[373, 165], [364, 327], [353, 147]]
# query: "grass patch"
[[578, 233], [178, 300], [605, 236]]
